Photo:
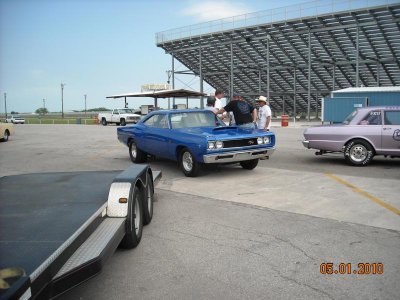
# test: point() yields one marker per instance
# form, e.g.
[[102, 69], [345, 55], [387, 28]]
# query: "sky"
[[96, 47]]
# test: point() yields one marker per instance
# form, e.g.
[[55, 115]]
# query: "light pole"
[[44, 104], [62, 99], [5, 104], [85, 104]]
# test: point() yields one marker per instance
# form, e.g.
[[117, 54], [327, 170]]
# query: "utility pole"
[[85, 104], [5, 104], [62, 99], [44, 104]]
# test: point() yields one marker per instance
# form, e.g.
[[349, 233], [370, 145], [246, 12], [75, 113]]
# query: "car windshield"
[[350, 117], [126, 111], [194, 119]]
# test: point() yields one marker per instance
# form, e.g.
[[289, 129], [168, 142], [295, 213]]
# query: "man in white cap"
[[264, 114]]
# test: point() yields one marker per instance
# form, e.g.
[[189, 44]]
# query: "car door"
[[372, 128], [391, 132], [115, 116], [156, 135]]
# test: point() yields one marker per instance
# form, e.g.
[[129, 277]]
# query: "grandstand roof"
[[269, 52]]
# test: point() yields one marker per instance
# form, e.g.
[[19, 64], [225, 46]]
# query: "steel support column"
[[378, 74], [259, 82], [283, 104], [231, 76], [268, 83], [333, 77], [201, 80], [173, 77], [309, 77], [357, 56], [294, 96]]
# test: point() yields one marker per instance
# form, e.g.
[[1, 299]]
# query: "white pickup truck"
[[119, 116]]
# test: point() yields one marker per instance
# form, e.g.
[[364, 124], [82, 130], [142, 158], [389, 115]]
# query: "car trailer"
[[57, 229]]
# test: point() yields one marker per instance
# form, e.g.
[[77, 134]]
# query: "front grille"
[[240, 143]]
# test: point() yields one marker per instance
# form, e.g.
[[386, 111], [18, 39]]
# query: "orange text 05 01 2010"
[[328, 268]]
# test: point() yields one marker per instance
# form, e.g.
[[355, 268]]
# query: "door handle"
[[386, 128]]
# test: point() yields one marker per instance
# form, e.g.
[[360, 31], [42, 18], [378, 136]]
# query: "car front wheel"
[[249, 164], [104, 122], [358, 153], [188, 163]]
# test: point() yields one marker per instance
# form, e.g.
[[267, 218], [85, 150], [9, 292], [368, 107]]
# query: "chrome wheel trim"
[[358, 153], [133, 150], [149, 198], [137, 214], [187, 161]]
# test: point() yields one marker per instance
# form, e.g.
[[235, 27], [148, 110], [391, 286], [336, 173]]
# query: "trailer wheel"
[[134, 221], [249, 164], [137, 155], [148, 201], [6, 135], [104, 122]]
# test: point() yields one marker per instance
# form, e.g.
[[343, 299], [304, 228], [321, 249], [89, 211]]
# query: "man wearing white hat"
[[264, 114]]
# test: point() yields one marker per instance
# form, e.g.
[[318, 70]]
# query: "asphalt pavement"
[[232, 233]]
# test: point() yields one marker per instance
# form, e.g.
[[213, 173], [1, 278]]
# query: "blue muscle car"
[[194, 137]]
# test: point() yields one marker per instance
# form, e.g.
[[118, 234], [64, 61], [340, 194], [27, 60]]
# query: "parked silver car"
[[366, 132]]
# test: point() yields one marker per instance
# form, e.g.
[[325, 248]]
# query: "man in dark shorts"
[[245, 114]]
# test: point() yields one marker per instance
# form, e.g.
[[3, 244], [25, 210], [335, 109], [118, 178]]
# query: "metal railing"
[[307, 9]]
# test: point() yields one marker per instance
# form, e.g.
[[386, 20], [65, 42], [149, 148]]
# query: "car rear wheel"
[[137, 155], [249, 164], [358, 153], [104, 122], [123, 122], [188, 163]]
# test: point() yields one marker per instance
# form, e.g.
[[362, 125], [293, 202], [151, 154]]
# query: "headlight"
[[266, 140], [219, 144], [211, 145], [259, 140]]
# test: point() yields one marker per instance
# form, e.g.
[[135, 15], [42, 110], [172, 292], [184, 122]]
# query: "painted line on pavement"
[[365, 194]]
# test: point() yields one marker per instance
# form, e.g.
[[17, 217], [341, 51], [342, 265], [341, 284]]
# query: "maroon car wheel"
[[358, 153]]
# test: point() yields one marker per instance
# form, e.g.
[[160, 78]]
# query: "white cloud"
[[214, 10]]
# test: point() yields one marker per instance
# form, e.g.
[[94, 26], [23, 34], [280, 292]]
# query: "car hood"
[[226, 132]]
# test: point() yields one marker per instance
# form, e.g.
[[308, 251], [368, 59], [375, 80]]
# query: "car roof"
[[179, 111], [380, 107]]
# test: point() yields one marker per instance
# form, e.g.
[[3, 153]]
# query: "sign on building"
[[155, 87]]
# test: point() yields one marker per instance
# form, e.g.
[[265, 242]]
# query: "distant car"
[[15, 119], [366, 132], [6, 130], [195, 137], [120, 116]]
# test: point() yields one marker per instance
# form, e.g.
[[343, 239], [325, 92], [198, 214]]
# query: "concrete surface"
[[233, 233]]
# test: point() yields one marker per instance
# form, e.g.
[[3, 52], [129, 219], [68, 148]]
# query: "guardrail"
[[61, 121], [307, 9]]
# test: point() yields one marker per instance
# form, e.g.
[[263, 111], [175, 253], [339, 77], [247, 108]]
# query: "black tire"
[[137, 155], [104, 122], [148, 200], [188, 163], [358, 153], [6, 135], [249, 164], [123, 122], [134, 221]]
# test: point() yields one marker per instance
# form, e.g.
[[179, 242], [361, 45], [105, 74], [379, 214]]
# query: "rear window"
[[350, 117]]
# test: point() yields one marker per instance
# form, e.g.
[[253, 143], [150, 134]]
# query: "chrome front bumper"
[[306, 144], [236, 156]]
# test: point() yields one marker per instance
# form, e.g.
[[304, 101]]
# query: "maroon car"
[[366, 132]]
